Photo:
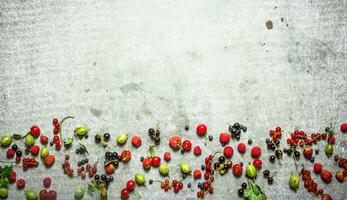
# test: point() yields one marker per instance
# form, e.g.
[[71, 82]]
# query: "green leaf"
[[4, 182], [6, 171], [91, 187], [151, 152]]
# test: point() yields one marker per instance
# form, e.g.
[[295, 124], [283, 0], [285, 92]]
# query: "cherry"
[[343, 127], [43, 139], [201, 129], [124, 194], [257, 163], [35, 131], [130, 185], [146, 163], [136, 141], [20, 183], [237, 170], [35, 150]]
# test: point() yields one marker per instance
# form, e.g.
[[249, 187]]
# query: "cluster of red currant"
[[81, 171], [67, 166], [300, 138], [56, 131], [276, 134], [309, 183], [342, 162], [176, 185], [206, 187], [29, 163]]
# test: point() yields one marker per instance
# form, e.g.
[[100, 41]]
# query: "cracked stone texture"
[[121, 66]]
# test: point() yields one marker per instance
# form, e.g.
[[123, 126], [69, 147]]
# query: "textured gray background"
[[120, 66]]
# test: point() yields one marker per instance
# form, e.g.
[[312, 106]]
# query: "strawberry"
[[224, 138], [317, 168], [326, 176], [340, 177]]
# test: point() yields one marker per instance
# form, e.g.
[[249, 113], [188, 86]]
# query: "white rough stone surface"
[[120, 66]]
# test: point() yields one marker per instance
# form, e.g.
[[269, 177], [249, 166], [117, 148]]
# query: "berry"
[[340, 177], [10, 153], [20, 183], [146, 163], [125, 156], [228, 151], [201, 129], [35, 131], [266, 173], [155, 161], [256, 152], [106, 137], [12, 177], [270, 180], [244, 185], [47, 182], [326, 175], [317, 168], [197, 174], [186, 145], [272, 159], [136, 141], [343, 127], [130, 185], [224, 138], [35, 150], [241, 148], [210, 138], [240, 192], [237, 170], [197, 150], [167, 156], [257, 163], [175, 142], [19, 153], [186, 127], [221, 159], [308, 152], [43, 139], [124, 193], [249, 141], [14, 147]]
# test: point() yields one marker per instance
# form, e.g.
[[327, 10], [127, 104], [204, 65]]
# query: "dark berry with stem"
[[97, 139], [107, 136], [278, 154], [266, 173], [189, 185], [312, 159], [270, 180], [14, 147], [316, 151], [244, 185], [221, 159]]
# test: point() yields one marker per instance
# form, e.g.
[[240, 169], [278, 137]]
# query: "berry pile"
[[267, 175], [206, 186], [111, 162], [175, 184], [154, 134], [103, 179], [309, 183], [29, 163], [236, 130], [129, 187]]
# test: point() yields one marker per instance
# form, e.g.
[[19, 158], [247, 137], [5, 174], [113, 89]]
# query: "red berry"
[[47, 182], [201, 129], [52, 195], [241, 148], [124, 194], [257, 163], [109, 169], [228, 151], [308, 151], [167, 156], [197, 174], [206, 176], [125, 156], [43, 194], [197, 150], [55, 130], [317, 168], [35, 131], [176, 189], [224, 138], [130, 185], [180, 185], [20, 183], [58, 146], [256, 152], [237, 170], [43, 139], [331, 140], [12, 177], [343, 127], [175, 142], [326, 176], [155, 161], [146, 163], [35, 150], [340, 177], [10, 153], [55, 120], [56, 139], [186, 145], [278, 129], [324, 136], [136, 141], [83, 176]]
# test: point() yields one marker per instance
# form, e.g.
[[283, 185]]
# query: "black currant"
[[240, 192], [96, 177], [250, 141], [107, 136], [221, 159], [19, 153], [151, 132], [186, 127], [244, 185], [266, 173], [103, 177], [316, 151], [278, 153], [270, 180], [297, 154], [189, 185], [210, 138], [150, 181], [97, 139], [14, 147], [272, 158]]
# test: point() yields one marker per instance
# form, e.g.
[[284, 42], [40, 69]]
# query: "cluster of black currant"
[[274, 146], [154, 134], [82, 162], [268, 176], [112, 156], [236, 130], [103, 179], [241, 190], [103, 139]]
